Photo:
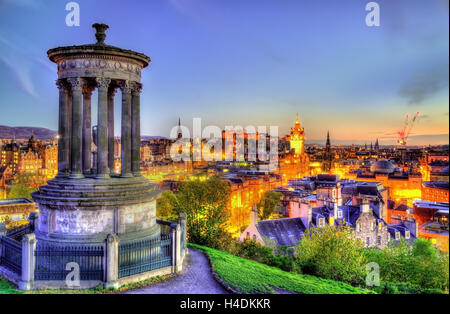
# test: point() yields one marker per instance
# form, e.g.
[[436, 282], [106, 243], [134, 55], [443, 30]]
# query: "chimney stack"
[[254, 216], [365, 207]]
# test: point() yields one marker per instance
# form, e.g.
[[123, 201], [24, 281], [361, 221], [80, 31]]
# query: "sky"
[[247, 62]]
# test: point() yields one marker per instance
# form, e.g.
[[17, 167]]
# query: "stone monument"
[[86, 202]]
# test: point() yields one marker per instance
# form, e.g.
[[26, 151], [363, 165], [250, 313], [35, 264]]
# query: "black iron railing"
[[18, 233], [56, 262], [144, 255], [11, 255]]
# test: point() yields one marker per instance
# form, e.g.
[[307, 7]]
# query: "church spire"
[[180, 132], [328, 145]]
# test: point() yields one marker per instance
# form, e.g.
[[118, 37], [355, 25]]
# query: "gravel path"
[[196, 278]]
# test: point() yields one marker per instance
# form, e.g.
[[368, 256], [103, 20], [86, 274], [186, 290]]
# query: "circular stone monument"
[[87, 200]]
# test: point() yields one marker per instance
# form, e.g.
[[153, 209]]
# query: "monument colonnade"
[[74, 127]]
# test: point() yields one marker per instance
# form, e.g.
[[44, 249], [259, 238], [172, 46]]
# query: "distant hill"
[[24, 132]]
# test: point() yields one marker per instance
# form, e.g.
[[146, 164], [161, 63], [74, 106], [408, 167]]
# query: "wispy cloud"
[[18, 60], [425, 84]]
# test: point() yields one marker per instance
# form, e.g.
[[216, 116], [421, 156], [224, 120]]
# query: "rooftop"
[[14, 201]]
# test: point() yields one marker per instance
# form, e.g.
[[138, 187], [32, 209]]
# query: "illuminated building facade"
[[435, 191], [32, 157], [296, 164], [433, 222], [297, 138], [16, 209], [402, 187]]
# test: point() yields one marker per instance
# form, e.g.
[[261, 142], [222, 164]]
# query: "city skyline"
[[246, 64]]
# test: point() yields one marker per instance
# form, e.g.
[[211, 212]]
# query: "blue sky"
[[241, 62]]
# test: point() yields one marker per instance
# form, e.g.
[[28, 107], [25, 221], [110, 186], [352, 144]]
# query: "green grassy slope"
[[7, 288], [252, 277]]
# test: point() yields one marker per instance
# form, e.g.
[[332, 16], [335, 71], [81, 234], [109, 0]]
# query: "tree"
[[423, 248], [20, 190], [333, 253], [205, 204], [268, 204], [420, 264], [165, 205]]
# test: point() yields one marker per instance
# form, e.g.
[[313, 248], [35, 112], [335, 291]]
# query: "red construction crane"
[[406, 130]]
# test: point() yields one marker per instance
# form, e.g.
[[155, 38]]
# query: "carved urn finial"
[[100, 32]]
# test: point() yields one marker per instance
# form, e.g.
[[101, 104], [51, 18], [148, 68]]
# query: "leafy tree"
[[165, 205], [419, 265], [20, 190], [424, 248], [268, 204], [205, 204], [333, 253]]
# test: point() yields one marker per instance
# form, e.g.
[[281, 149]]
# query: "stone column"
[[182, 223], [63, 130], [77, 128], [173, 237], [111, 93], [28, 261], [87, 132], [102, 128], [178, 264], [136, 129], [126, 129], [112, 262]]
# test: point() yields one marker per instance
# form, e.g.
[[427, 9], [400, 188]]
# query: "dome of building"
[[382, 166]]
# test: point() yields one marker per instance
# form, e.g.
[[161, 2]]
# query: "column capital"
[[62, 85], [136, 88], [125, 86], [76, 83], [103, 82]]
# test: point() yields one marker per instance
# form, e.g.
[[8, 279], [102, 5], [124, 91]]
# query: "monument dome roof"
[[382, 166], [99, 48]]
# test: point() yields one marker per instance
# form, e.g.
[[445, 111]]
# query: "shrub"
[[332, 253], [386, 287], [419, 265]]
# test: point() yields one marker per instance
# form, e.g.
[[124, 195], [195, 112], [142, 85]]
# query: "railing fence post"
[[173, 237], [112, 262], [178, 248], [182, 222], [28, 262]]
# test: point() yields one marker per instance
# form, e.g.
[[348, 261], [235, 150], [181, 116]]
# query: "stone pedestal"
[[112, 262], [28, 262]]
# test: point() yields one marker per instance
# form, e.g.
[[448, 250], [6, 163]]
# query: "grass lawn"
[[252, 277], [7, 288]]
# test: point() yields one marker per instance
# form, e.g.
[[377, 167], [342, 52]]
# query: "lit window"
[[339, 214], [321, 222], [407, 234], [397, 235]]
